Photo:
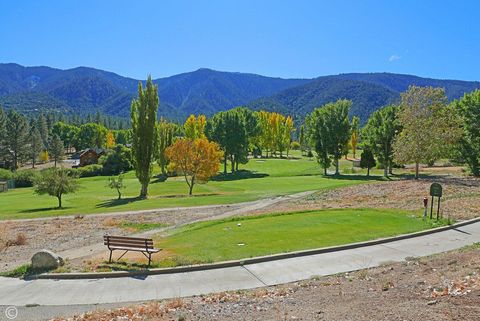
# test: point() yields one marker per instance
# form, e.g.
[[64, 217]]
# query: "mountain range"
[[85, 90]]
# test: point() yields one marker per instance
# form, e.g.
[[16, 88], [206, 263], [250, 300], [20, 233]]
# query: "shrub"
[[5, 174], [26, 178], [117, 161], [90, 170], [295, 145]]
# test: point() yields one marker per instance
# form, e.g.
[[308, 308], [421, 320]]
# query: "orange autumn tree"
[[197, 160]]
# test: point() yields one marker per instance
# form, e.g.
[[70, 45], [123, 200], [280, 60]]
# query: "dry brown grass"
[[20, 239], [7, 240], [111, 222]]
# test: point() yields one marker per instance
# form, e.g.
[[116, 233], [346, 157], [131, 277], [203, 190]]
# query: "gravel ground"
[[441, 287], [67, 233]]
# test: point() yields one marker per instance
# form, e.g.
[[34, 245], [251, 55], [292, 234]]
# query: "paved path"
[[14, 292]]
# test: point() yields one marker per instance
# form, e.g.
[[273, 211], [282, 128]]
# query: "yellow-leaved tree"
[[197, 160], [195, 127], [110, 141]]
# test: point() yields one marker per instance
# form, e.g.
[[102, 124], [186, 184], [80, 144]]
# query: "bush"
[[295, 145], [5, 174], [117, 161], [90, 170], [26, 178]]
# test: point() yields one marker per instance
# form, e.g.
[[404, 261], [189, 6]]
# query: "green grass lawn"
[[222, 240], [263, 178]]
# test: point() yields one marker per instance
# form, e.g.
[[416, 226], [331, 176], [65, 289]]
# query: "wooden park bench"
[[136, 244]]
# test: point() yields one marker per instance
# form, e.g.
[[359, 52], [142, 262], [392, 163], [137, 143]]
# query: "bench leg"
[[110, 258], [149, 258]]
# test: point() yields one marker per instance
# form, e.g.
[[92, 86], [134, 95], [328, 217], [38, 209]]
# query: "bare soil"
[[441, 287]]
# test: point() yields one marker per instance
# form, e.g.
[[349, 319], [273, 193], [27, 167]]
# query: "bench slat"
[[152, 250], [105, 237]]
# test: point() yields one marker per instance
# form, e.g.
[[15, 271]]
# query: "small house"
[[90, 156]]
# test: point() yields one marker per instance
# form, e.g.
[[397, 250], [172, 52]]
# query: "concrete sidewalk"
[[14, 292]]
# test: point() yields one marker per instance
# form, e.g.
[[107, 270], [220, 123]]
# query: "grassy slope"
[[262, 235], [284, 177]]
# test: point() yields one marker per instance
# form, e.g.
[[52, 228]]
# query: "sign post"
[[435, 191]]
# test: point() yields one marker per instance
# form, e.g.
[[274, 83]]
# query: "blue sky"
[[438, 39]]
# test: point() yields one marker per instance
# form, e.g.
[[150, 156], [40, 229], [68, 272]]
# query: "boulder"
[[46, 260]]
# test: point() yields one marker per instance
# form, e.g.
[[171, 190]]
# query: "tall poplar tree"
[[338, 126], [355, 130], [144, 134], [319, 137], [36, 143], [42, 127], [166, 133], [379, 134]]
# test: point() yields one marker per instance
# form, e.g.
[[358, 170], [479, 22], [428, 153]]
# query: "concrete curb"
[[260, 259]]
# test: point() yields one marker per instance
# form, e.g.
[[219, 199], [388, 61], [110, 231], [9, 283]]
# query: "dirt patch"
[[61, 234], [442, 287], [461, 197]]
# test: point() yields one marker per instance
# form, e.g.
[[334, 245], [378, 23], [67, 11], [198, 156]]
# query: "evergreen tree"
[[3, 136], [144, 135], [17, 139], [56, 149], [367, 160]]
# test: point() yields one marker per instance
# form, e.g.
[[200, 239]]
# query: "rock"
[[432, 302], [46, 260]]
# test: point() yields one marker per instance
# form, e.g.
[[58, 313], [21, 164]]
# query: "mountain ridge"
[[207, 91]]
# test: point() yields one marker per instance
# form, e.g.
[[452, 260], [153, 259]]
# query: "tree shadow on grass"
[[118, 202], [45, 209], [358, 177], [240, 174]]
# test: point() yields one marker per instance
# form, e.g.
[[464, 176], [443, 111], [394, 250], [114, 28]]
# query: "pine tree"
[[367, 160], [144, 135], [17, 139], [3, 135], [56, 149]]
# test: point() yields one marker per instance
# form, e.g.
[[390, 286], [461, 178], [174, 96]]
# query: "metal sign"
[[436, 190]]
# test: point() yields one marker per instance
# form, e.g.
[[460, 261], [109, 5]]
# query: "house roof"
[[97, 151]]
